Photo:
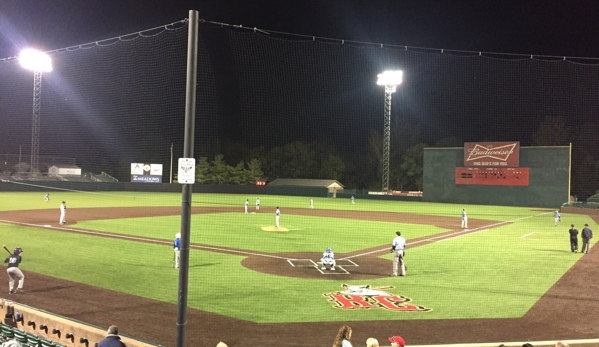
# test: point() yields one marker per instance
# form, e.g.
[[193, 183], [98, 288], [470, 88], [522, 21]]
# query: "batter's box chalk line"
[[341, 264]]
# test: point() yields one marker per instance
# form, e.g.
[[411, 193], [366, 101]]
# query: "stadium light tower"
[[389, 79], [38, 62]]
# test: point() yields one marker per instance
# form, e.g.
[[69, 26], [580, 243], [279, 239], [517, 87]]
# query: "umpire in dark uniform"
[[573, 239]]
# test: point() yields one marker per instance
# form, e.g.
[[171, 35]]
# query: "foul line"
[[228, 250], [138, 238], [449, 236]]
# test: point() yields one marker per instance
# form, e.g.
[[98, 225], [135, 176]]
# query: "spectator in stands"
[[397, 341], [372, 342], [112, 339], [343, 337]]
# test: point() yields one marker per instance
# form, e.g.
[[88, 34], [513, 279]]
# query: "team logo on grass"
[[365, 296]]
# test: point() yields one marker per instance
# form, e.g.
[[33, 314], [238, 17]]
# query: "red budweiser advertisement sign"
[[492, 154]]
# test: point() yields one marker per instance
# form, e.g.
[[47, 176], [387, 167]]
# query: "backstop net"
[[268, 106]]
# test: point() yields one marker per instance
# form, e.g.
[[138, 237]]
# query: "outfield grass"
[[495, 273]]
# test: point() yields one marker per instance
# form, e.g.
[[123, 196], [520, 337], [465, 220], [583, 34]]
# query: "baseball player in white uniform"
[[556, 217], [177, 249], [63, 213], [328, 258], [311, 203], [277, 216], [398, 246], [247, 203], [257, 204], [464, 219], [47, 197]]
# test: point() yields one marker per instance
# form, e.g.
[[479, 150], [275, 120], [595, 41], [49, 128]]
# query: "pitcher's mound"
[[281, 229]]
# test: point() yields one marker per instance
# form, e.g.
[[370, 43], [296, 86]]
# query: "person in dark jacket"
[[586, 235], [112, 339]]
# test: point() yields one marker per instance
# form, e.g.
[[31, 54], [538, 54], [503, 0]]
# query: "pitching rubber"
[[275, 229]]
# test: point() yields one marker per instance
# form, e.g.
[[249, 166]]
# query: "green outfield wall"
[[549, 182]]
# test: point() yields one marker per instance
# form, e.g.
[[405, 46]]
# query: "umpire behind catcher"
[[398, 246]]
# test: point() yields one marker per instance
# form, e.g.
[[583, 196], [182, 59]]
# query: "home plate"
[[269, 228]]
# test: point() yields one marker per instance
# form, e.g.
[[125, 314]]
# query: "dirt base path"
[[566, 311]]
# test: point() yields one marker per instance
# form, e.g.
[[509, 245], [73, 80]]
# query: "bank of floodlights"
[[389, 79], [37, 62]]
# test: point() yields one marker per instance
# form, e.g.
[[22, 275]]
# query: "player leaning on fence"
[[398, 246]]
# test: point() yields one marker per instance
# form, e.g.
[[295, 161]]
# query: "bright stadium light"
[[38, 62], [389, 79], [34, 60]]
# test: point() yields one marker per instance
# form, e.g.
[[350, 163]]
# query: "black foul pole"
[[190, 108]]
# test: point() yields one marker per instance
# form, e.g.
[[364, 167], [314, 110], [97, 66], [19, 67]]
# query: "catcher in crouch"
[[328, 258]]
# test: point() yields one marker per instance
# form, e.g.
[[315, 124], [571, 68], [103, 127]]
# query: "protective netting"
[[288, 107], [110, 104]]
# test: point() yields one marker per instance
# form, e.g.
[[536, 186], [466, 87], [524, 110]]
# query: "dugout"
[[304, 187], [548, 179]]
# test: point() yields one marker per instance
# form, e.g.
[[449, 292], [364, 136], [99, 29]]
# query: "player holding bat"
[[13, 270]]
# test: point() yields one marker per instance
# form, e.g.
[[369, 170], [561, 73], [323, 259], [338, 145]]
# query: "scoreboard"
[[492, 176]]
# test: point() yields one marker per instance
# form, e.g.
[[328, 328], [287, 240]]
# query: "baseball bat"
[[6, 248]]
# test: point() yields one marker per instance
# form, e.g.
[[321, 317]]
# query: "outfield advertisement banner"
[[146, 179], [146, 173], [492, 154]]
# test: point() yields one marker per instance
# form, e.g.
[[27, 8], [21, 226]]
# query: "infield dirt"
[[567, 311]]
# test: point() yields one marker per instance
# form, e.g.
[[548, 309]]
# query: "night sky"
[[561, 28], [431, 95]]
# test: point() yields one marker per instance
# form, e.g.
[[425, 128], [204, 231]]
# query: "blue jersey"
[[177, 243]]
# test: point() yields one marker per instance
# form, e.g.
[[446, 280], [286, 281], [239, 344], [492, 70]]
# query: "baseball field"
[[510, 276]]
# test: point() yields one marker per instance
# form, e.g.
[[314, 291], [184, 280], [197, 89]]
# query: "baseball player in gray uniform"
[[13, 271], [398, 246]]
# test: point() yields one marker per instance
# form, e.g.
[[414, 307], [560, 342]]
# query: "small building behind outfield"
[[304, 187], [64, 170]]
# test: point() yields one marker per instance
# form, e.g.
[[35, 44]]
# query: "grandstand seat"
[[33, 340], [46, 343], [20, 336], [6, 331]]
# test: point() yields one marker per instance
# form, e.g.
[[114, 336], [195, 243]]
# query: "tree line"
[[362, 169]]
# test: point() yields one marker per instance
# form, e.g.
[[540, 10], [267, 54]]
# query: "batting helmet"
[[398, 233], [18, 251], [329, 250]]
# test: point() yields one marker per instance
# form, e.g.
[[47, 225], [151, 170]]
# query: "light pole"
[[38, 62], [389, 79]]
